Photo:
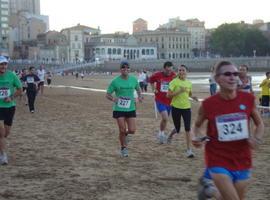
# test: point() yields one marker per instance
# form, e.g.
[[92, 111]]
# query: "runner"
[[265, 93], [160, 83], [41, 75], [32, 80], [49, 79], [10, 87], [23, 95], [245, 81], [124, 109], [180, 90], [228, 150]]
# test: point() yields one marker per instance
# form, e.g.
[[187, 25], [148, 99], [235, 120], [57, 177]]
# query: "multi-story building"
[[76, 37], [30, 6], [171, 43], [196, 29], [4, 28], [118, 46], [52, 47], [140, 25]]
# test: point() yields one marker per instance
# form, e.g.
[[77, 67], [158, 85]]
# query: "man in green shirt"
[[124, 107], [10, 87]]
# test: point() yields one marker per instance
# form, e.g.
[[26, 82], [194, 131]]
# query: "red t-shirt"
[[233, 155], [162, 84]]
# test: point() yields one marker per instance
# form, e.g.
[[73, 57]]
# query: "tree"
[[238, 39]]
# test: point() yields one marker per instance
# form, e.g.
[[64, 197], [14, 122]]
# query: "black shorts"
[[40, 83], [7, 114], [24, 88], [49, 81], [265, 100], [118, 114]]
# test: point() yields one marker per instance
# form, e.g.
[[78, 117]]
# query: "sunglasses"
[[230, 73], [124, 67]]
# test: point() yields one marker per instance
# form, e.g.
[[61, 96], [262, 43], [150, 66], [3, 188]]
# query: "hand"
[[254, 142], [199, 141], [140, 99], [195, 99], [8, 99], [115, 100]]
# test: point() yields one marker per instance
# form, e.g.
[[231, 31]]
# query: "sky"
[[118, 15]]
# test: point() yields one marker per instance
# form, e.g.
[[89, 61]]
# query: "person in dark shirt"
[[31, 80]]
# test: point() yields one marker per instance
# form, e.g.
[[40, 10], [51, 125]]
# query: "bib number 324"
[[232, 127]]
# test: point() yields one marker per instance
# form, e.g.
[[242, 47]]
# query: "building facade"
[[197, 32], [118, 46], [4, 27], [76, 37], [170, 43], [140, 25], [30, 6]]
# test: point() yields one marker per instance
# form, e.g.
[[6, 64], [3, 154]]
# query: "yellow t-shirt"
[[181, 100], [265, 87]]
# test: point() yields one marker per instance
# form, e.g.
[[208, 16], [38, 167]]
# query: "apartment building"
[[140, 25], [30, 6], [4, 28]]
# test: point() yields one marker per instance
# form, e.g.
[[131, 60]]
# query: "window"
[[4, 12], [4, 19], [143, 52], [119, 51], [114, 51], [4, 5], [76, 37], [147, 52], [152, 51], [109, 51]]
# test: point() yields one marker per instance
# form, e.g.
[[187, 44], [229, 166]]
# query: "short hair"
[[182, 65], [219, 65], [31, 67], [124, 63], [267, 73], [168, 64], [243, 65]]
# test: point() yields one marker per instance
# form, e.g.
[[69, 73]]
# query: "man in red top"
[[160, 83], [228, 151]]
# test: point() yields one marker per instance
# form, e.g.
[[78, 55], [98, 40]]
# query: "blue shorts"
[[162, 107], [235, 176]]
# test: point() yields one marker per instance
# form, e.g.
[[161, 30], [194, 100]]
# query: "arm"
[[140, 97], [257, 134], [196, 130], [110, 97], [171, 94]]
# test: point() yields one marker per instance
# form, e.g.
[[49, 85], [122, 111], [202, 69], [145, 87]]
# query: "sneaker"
[[206, 189], [127, 139], [3, 159], [32, 111], [124, 152], [162, 139], [189, 153], [169, 140]]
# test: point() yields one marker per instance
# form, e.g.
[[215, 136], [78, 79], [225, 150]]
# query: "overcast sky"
[[118, 15]]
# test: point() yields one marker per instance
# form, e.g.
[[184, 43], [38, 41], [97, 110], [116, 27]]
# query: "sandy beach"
[[68, 150]]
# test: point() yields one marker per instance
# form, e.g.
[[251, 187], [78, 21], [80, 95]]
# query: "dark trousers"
[[176, 116], [31, 95]]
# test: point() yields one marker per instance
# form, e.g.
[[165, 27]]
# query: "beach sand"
[[68, 150]]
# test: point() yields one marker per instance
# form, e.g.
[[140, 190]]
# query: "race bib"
[[164, 87], [30, 79], [124, 102], [4, 93], [232, 127]]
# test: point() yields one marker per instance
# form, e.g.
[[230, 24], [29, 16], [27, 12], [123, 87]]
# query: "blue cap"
[[3, 59], [124, 63]]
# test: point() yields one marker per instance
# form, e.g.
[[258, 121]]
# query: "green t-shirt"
[[181, 100], [124, 91], [9, 82]]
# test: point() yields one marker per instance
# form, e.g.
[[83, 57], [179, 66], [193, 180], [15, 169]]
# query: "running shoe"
[[189, 153], [162, 139], [3, 159], [206, 189], [124, 152], [169, 140]]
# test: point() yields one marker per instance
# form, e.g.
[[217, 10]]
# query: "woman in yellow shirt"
[[265, 86], [180, 90]]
